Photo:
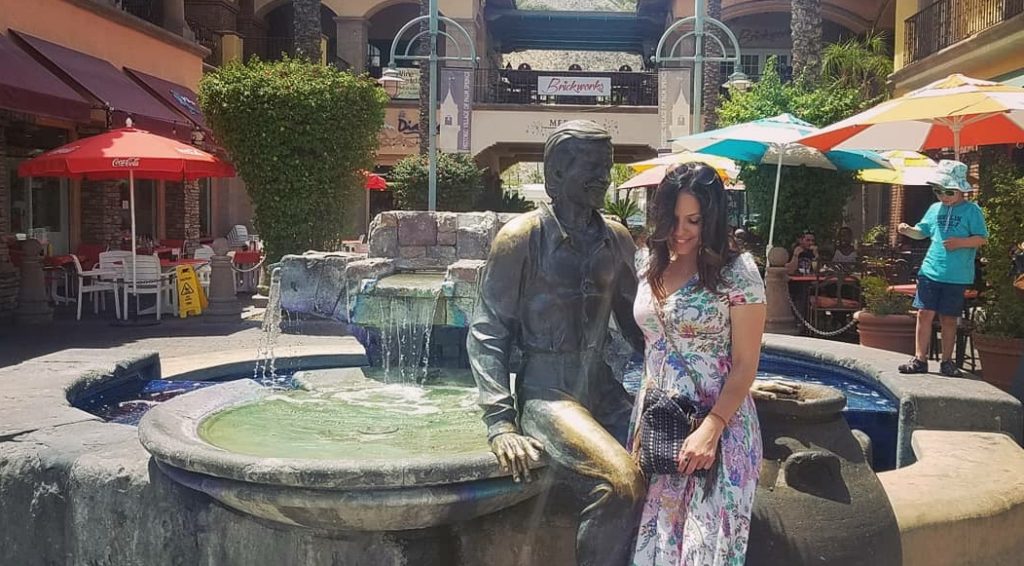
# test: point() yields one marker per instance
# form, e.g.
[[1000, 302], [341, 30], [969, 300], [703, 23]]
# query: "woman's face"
[[685, 237]]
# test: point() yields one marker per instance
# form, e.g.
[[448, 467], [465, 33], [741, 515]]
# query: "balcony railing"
[[144, 9], [270, 48], [208, 38], [946, 22], [507, 86]]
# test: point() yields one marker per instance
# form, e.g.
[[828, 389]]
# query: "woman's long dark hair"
[[716, 245]]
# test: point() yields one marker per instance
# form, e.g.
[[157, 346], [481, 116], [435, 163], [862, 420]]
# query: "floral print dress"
[[679, 526]]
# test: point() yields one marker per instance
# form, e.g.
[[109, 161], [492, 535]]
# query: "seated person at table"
[[845, 251], [957, 229], [804, 253]]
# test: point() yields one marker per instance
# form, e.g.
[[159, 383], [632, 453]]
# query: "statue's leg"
[[573, 438]]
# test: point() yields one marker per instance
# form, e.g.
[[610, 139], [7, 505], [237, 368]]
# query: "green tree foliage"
[[459, 182], [861, 63], [1004, 215], [298, 134], [808, 198]]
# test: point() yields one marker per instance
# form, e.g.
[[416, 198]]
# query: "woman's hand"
[[700, 448]]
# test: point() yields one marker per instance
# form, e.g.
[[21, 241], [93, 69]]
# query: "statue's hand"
[[771, 390], [514, 452]]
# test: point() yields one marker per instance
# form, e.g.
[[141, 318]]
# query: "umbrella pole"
[[131, 246], [775, 202]]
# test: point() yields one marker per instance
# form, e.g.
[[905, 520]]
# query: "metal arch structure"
[[433, 19], [698, 58]]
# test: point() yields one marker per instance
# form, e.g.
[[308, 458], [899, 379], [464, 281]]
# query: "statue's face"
[[585, 179]]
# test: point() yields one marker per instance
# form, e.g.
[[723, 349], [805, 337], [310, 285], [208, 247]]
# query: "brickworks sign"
[[574, 86]]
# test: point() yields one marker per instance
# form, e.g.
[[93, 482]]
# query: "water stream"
[[407, 307], [265, 363]]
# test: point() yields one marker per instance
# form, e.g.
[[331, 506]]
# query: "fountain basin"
[[326, 493]]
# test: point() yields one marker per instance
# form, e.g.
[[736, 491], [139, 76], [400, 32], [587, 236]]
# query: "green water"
[[375, 422]]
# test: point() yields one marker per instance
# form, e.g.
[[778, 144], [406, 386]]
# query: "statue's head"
[[577, 163]]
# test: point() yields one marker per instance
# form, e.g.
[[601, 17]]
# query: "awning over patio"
[[179, 97], [113, 88], [26, 86]]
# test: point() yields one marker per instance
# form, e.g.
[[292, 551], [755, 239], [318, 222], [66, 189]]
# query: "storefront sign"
[[409, 88], [456, 112], [574, 86]]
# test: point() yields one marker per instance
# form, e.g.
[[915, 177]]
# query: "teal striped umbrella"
[[774, 141]]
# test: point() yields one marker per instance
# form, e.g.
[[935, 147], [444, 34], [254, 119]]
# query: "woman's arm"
[[699, 448]]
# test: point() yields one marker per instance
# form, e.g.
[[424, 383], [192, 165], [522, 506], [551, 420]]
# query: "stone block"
[[473, 244], [466, 270], [412, 252], [416, 229], [383, 240], [443, 253]]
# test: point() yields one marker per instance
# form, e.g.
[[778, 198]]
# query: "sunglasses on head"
[[945, 192], [702, 174]]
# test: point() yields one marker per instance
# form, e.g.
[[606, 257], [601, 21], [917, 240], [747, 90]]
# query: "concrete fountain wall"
[[79, 491]]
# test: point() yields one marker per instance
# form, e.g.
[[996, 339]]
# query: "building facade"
[[74, 68]]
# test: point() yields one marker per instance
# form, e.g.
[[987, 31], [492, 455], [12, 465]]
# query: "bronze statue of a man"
[[553, 278]]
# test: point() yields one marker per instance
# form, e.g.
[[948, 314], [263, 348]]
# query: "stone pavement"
[[173, 337]]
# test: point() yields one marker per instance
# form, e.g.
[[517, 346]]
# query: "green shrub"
[[1003, 311], [880, 300], [459, 182], [298, 134], [622, 209]]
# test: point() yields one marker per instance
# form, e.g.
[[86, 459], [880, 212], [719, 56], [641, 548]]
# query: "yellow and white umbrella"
[[727, 168], [909, 168], [953, 112]]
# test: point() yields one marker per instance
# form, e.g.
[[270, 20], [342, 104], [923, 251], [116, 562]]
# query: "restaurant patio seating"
[[834, 299], [150, 280], [203, 271], [90, 283]]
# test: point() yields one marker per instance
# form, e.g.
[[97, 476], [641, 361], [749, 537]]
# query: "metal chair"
[[834, 299]]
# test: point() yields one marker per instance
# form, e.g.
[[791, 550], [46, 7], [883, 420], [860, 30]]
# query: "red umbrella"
[[127, 153], [375, 182]]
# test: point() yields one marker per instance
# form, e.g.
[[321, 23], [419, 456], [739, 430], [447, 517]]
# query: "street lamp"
[[737, 80], [391, 81]]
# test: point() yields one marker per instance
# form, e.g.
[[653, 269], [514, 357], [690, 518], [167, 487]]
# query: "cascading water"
[[407, 306], [265, 366]]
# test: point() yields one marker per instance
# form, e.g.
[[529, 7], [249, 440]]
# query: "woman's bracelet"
[[719, 417]]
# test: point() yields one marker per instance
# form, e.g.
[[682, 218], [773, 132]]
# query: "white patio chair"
[[90, 283], [151, 281], [203, 271], [238, 236]]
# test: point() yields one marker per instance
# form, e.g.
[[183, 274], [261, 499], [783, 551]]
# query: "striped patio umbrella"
[[909, 168], [726, 167], [775, 141], [954, 112]]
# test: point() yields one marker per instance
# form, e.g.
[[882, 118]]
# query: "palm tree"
[[306, 29], [424, 49], [863, 63], [805, 26], [712, 71]]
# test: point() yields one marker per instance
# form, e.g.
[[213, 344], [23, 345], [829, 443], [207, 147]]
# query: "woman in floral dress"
[[701, 307]]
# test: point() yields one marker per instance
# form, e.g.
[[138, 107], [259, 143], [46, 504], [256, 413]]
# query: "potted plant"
[[885, 321], [999, 331]]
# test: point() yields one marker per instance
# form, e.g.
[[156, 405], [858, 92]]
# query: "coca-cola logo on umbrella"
[[125, 162]]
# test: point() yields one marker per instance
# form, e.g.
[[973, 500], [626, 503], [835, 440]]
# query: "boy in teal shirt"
[[957, 229]]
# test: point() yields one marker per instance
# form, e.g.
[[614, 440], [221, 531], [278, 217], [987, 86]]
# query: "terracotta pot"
[[817, 501], [999, 358], [893, 332]]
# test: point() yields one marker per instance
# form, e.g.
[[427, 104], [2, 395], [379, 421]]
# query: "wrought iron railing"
[[208, 38], [270, 48], [507, 86], [145, 9], [946, 22]]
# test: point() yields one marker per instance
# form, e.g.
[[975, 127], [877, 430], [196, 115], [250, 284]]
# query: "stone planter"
[[818, 501], [999, 358], [893, 332]]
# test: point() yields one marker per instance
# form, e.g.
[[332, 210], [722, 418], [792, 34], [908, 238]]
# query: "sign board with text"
[[548, 85]]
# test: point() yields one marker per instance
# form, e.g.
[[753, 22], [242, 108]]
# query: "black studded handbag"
[[666, 420]]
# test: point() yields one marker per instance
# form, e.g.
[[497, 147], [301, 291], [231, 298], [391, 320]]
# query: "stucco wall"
[[70, 25], [534, 126]]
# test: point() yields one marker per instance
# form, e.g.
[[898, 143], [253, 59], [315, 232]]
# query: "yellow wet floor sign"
[[191, 298]]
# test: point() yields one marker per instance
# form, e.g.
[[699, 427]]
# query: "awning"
[[179, 97], [113, 88], [26, 86]]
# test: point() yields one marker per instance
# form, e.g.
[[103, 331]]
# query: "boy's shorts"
[[947, 299]]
